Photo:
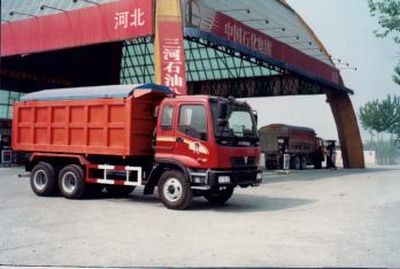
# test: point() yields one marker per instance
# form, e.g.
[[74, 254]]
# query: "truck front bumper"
[[219, 178]]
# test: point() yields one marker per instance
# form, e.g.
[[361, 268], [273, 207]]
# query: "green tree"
[[382, 117], [390, 108], [371, 117], [396, 76], [388, 14]]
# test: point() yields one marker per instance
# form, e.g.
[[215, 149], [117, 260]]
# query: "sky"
[[345, 27]]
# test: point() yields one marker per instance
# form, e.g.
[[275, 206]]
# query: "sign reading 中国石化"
[[227, 28]]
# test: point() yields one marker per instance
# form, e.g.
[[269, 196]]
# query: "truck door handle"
[[179, 140]]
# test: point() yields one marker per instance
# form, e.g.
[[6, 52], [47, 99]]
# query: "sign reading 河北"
[[118, 20]]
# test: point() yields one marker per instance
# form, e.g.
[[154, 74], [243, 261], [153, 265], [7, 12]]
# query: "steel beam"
[[261, 86]]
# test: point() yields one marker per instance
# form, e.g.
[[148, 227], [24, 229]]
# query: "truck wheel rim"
[[40, 179], [297, 162], [304, 162], [69, 182], [172, 189]]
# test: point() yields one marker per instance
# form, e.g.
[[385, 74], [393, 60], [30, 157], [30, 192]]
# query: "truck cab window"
[[166, 118], [240, 122], [193, 121]]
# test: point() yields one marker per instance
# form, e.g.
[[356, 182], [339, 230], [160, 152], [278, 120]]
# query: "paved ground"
[[309, 218]]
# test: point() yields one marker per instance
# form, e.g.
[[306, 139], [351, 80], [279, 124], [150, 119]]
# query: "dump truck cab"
[[215, 139]]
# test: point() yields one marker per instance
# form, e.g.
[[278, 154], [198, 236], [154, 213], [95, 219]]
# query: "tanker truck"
[[300, 143], [84, 140]]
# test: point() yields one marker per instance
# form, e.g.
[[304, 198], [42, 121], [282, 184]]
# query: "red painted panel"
[[119, 20], [172, 56], [88, 129]]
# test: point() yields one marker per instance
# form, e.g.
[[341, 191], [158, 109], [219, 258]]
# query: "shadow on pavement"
[[247, 203], [239, 203], [323, 174]]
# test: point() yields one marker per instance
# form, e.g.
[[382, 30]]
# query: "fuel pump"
[[331, 154], [283, 159]]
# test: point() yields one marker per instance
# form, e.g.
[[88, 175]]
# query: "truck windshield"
[[234, 123]]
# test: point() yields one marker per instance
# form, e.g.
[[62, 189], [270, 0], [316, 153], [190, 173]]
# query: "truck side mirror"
[[255, 114]]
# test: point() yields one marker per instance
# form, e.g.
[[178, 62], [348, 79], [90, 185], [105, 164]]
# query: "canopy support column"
[[347, 127]]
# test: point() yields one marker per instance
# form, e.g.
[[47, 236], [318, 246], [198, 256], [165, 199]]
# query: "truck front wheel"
[[219, 197], [174, 190], [71, 182], [43, 179]]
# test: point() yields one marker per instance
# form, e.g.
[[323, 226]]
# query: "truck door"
[[165, 133], [192, 135]]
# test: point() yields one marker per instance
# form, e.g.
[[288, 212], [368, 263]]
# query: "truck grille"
[[241, 161]]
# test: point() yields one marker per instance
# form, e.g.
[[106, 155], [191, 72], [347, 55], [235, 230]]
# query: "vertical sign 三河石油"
[[169, 48], [172, 54]]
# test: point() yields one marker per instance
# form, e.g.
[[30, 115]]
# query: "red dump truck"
[[82, 140], [301, 143]]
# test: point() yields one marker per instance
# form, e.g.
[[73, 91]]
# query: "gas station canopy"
[[224, 40], [240, 48]]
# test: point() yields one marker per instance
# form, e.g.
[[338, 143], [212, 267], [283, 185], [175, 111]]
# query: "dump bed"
[[105, 120], [300, 139]]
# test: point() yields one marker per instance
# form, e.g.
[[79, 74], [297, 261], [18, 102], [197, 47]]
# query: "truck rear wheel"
[[93, 190], [317, 165], [116, 190], [303, 162], [43, 179], [174, 190], [219, 197], [297, 163], [71, 182]]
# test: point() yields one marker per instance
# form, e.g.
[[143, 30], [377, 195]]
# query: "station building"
[[237, 48]]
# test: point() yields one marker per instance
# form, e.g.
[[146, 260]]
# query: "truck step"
[[108, 170]]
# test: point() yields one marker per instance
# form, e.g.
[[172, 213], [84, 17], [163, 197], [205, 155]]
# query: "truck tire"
[[93, 190], [303, 162], [317, 165], [219, 197], [118, 191], [174, 190], [71, 182], [296, 163], [43, 179], [269, 165]]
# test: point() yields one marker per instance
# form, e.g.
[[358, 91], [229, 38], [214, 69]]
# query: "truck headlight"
[[259, 176], [199, 180], [224, 179]]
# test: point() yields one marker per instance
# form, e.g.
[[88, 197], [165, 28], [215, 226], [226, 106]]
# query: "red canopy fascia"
[[114, 21]]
